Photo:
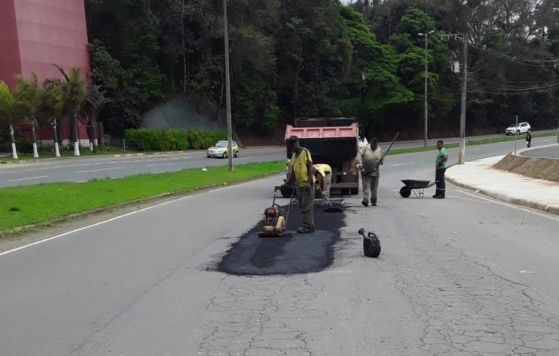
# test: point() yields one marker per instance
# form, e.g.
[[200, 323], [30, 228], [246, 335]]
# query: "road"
[[456, 277], [544, 152], [86, 168]]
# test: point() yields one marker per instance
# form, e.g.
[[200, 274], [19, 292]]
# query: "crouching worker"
[[323, 175], [302, 172]]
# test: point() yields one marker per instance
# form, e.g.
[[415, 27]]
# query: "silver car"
[[220, 150]]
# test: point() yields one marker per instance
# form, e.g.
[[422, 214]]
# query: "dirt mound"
[[539, 168]]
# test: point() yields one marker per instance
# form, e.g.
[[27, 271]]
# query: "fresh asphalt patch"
[[292, 253]]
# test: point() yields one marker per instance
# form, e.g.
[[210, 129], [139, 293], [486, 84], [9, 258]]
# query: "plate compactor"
[[275, 219]]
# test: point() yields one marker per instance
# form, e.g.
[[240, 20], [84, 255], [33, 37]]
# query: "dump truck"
[[333, 141]]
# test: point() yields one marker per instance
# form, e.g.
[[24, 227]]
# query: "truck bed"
[[333, 141]]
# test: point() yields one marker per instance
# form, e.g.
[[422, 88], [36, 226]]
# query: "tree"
[[74, 96], [94, 101], [50, 107], [26, 97], [6, 105], [374, 86], [6, 113]]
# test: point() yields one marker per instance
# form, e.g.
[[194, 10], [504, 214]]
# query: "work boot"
[[374, 202], [305, 230], [365, 202], [439, 197]]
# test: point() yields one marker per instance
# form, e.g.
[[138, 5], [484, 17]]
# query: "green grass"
[[484, 141], [39, 204]]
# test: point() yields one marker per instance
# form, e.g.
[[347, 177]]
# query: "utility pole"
[[425, 125], [516, 134], [462, 149], [228, 88]]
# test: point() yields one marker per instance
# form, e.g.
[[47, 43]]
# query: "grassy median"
[[484, 141], [42, 203]]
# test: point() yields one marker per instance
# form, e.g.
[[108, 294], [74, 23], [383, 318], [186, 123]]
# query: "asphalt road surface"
[[545, 152], [457, 277], [86, 168]]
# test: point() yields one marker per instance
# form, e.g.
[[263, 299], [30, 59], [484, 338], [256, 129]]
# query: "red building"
[[35, 34]]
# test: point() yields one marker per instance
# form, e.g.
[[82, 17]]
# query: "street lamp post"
[[228, 89], [425, 126]]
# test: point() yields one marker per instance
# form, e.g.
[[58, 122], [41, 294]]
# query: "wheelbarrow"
[[415, 186]]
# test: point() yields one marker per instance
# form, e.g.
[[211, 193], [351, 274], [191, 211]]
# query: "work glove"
[[359, 166]]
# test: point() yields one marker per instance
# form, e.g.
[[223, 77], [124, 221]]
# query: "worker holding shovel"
[[369, 159]]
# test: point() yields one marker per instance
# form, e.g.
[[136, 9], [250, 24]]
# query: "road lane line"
[[158, 164], [98, 170], [30, 178], [122, 216]]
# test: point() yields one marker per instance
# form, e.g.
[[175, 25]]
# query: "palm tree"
[[6, 113], [74, 96], [51, 104], [26, 101]]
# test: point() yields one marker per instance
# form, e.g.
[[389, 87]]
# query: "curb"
[[145, 200], [506, 198], [13, 162], [100, 156]]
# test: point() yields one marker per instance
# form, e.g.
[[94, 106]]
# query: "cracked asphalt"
[[462, 276]]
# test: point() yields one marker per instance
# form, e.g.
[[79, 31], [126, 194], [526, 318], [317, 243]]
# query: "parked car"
[[220, 149], [521, 128]]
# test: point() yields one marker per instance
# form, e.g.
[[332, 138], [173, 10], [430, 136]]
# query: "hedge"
[[172, 139]]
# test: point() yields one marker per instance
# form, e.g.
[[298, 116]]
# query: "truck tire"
[[354, 191]]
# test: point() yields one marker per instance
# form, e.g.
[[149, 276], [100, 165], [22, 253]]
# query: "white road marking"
[[402, 164], [30, 178], [99, 170], [115, 218], [158, 164], [482, 198]]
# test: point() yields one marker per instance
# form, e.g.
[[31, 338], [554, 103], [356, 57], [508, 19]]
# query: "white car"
[[362, 142], [521, 128]]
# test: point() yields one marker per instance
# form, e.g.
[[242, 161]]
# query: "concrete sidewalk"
[[480, 176]]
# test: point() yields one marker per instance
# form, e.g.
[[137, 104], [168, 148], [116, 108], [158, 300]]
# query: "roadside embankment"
[[533, 167], [526, 181]]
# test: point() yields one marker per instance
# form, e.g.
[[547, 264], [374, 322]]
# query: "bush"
[[172, 139], [24, 145]]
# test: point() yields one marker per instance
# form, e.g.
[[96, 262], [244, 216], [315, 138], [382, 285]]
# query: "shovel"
[[331, 209]]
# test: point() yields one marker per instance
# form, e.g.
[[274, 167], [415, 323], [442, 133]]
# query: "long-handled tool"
[[331, 209], [384, 155], [275, 219]]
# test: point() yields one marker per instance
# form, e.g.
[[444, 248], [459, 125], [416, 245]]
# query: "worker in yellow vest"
[[323, 174]]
